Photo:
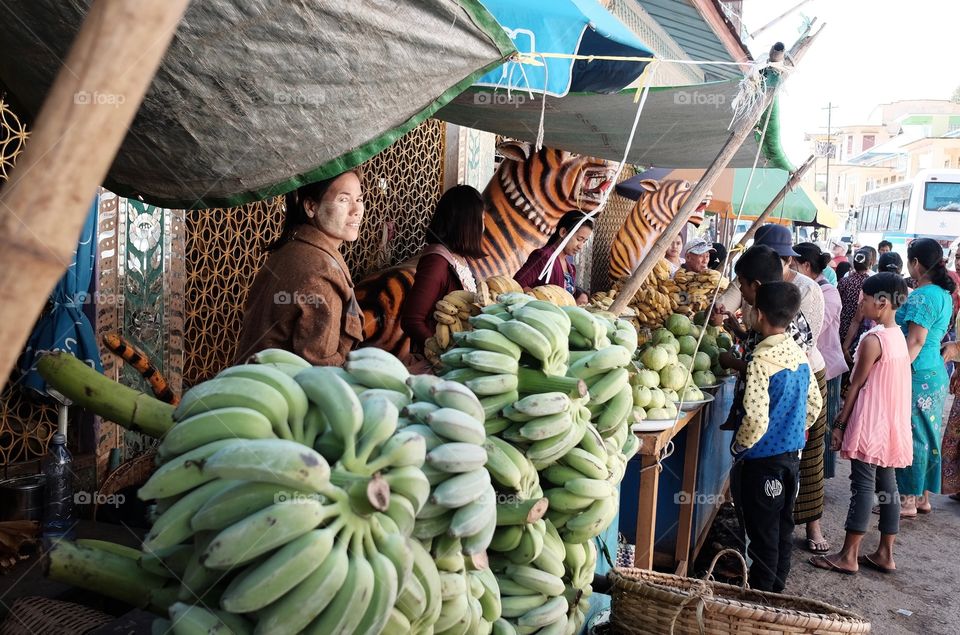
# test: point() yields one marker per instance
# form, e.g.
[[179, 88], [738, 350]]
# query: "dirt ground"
[[927, 552]]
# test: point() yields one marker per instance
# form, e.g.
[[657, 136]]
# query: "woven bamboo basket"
[[32, 615], [648, 603]]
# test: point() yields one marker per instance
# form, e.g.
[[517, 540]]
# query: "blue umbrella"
[[581, 27], [65, 327]]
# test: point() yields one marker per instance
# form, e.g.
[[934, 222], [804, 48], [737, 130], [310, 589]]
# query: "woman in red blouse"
[[453, 236], [563, 273]]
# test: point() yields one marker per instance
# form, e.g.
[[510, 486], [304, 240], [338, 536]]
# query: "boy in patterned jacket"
[[781, 400]]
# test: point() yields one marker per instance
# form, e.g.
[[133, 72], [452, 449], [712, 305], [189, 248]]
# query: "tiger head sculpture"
[[530, 192], [653, 211]]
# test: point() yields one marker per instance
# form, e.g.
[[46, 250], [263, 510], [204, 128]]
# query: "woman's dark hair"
[[457, 222], [760, 264], [568, 221], [296, 214], [813, 256], [929, 254], [887, 285], [842, 269], [890, 262], [864, 258]]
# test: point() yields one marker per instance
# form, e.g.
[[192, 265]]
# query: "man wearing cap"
[[839, 250], [696, 255]]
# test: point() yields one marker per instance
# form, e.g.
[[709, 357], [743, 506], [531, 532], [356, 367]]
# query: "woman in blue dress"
[[924, 319]]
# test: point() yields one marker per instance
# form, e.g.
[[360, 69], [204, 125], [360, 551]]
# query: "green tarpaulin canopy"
[[255, 97], [681, 127]]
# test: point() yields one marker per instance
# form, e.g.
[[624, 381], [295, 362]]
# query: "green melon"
[[678, 324]]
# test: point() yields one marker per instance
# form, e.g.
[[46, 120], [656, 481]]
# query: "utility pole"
[[830, 107]]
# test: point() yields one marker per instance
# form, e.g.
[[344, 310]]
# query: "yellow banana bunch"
[[553, 294], [502, 284], [696, 289], [452, 315]]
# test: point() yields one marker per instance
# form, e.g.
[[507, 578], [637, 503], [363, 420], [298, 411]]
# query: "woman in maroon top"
[[453, 236], [563, 273]]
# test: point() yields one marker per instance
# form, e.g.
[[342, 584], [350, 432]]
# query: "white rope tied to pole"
[[605, 195]]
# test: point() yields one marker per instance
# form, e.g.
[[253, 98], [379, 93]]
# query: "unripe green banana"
[[279, 356], [190, 620], [485, 321], [454, 611], [396, 548], [379, 425], [412, 601], [546, 426], [558, 473], [496, 425], [593, 520], [551, 611], [351, 602], [457, 425], [531, 544], [452, 584], [429, 436], [198, 580], [504, 462], [422, 385], [426, 573], [513, 606], [399, 399], [386, 588], [616, 411], [450, 394], [543, 404], [533, 578], [489, 385], [491, 340], [472, 518], [490, 362], [173, 526], [526, 337], [418, 410], [461, 489], [453, 358], [609, 385], [239, 392], [601, 361], [236, 503], [263, 531], [397, 623], [427, 528], [563, 500], [503, 627], [583, 462], [457, 457], [335, 398], [256, 587], [184, 472], [314, 424], [592, 442], [401, 511], [490, 599], [295, 610], [405, 448], [278, 461], [590, 488], [548, 451], [374, 374], [384, 358], [284, 384], [584, 322], [167, 563], [214, 425]]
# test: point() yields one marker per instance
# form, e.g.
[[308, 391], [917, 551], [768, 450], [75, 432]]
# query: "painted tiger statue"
[[526, 197], [644, 226]]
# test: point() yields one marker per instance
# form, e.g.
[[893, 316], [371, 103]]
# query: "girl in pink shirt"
[[873, 429]]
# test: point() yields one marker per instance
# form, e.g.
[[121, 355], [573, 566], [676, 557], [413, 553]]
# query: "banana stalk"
[[105, 572], [89, 389], [534, 381]]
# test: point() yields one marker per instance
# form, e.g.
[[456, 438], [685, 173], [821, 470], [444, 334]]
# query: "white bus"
[[926, 206]]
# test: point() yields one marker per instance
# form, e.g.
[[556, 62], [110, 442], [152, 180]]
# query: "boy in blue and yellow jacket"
[[781, 400]]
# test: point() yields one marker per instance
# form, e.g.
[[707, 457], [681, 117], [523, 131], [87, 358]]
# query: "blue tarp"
[[65, 327], [581, 27]]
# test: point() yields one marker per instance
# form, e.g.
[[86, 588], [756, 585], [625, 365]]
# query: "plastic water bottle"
[[58, 500]]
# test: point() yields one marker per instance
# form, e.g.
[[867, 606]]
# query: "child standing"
[[781, 400], [873, 429]]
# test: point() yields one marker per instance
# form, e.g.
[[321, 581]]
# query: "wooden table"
[[652, 443]]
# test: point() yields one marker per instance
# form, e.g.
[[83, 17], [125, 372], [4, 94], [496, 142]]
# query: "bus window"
[[883, 222], [941, 197], [872, 218], [896, 215]]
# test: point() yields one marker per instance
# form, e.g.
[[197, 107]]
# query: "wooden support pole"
[[741, 131], [75, 137], [782, 194]]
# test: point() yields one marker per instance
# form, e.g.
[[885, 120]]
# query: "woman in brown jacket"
[[453, 236], [302, 299]]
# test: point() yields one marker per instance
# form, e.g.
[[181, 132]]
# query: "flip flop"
[[812, 546], [868, 562], [829, 565]]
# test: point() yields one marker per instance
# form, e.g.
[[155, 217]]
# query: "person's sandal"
[[812, 546]]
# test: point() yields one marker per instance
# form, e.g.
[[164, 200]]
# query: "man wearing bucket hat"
[[839, 250], [696, 255], [808, 509]]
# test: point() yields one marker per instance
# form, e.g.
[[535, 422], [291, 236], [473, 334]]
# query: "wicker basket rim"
[[621, 577]]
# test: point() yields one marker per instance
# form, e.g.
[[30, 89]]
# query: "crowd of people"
[[841, 354]]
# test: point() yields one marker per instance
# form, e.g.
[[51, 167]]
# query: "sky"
[[870, 52]]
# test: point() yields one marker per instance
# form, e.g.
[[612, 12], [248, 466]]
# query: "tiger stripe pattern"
[[646, 222], [129, 353], [526, 197]]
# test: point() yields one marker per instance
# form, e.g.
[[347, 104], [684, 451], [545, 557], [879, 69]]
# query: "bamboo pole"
[[76, 135], [782, 194], [741, 131]]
